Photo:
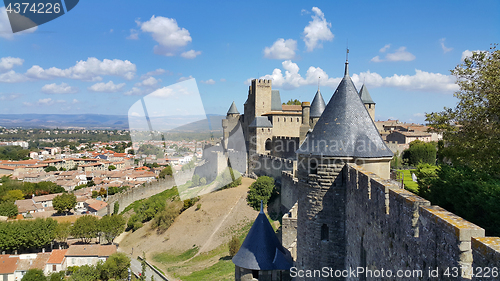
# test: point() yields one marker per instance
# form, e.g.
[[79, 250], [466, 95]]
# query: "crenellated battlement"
[[398, 229]]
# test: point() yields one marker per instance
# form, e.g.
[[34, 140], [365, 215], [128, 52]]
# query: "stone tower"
[[343, 134], [305, 126], [259, 100], [317, 108], [230, 123], [261, 256], [367, 101]]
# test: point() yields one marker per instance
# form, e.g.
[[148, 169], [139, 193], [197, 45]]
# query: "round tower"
[[343, 134], [367, 101], [317, 108]]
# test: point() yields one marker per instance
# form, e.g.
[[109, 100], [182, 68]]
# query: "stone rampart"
[[266, 165], [132, 194], [289, 190], [394, 229]]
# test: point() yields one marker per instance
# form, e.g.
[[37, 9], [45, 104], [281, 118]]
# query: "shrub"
[[261, 189], [234, 246], [420, 152], [137, 225], [198, 206]]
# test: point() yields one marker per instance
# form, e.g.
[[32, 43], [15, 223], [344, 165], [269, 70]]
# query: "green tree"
[[234, 246], [116, 208], [164, 219], [13, 195], [293, 102], [8, 209], [50, 169], [196, 180], [62, 231], [85, 228], [420, 152], [56, 276], [34, 275], [115, 267], [471, 130], [167, 171], [85, 273], [64, 202], [111, 167], [111, 226], [261, 189]]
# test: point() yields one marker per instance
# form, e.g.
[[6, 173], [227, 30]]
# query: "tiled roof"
[[91, 250], [317, 105], [345, 129], [40, 261], [233, 109], [286, 107], [57, 256], [8, 264], [261, 249], [261, 122]]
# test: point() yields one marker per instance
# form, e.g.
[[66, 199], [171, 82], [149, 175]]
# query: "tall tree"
[[111, 226], [62, 231], [472, 129], [8, 209], [64, 202], [85, 228], [34, 275]]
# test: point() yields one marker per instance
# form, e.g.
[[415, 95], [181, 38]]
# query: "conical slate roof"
[[233, 109], [345, 129], [261, 249], [317, 105], [364, 95]]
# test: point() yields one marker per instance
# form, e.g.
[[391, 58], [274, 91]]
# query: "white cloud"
[[223, 80], [109, 87], [135, 92], [148, 82], [162, 93], [468, 53], [191, 54], [399, 55], [209, 81], [445, 50], [12, 77], [47, 101], [59, 89], [155, 72], [383, 49], [7, 63], [6, 30], [281, 49], [420, 81], [184, 78], [9, 97], [167, 33], [134, 34], [317, 30], [89, 70]]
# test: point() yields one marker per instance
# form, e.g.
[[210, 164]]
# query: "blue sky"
[[103, 56]]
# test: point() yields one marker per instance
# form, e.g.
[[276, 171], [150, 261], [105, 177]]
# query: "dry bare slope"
[[203, 233]]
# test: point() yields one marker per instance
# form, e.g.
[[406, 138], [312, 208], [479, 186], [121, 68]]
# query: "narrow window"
[[54, 267], [324, 232], [255, 274], [313, 167]]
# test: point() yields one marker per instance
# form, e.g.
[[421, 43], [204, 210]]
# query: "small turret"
[[367, 101], [317, 108], [233, 110]]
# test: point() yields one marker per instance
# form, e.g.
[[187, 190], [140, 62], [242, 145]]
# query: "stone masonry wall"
[[393, 229], [271, 166], [289, 190], [149, 189]]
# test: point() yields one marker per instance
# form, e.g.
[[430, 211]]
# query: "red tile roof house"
[[56, 262], [30, 261], [8, 267], [79, 255]]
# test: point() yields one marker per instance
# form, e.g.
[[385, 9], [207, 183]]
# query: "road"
[[135, 266]]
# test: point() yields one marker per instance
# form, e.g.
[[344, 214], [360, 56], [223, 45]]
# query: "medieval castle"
[[344, 218]]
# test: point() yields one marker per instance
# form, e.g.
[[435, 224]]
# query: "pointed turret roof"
[[233, 109], [261, 249], [345, 129], [365, 96], [317, 105]]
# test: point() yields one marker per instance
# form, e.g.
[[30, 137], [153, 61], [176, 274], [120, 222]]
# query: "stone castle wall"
[[144, 191], [288, 194], [285, 147], [392, 228], [266, 165]]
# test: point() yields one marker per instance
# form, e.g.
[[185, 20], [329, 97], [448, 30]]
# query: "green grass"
[[222, 270], [169, 258], [164, 195], [408, 182]]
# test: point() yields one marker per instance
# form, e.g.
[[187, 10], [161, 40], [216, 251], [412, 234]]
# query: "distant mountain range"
[[101, 121]]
